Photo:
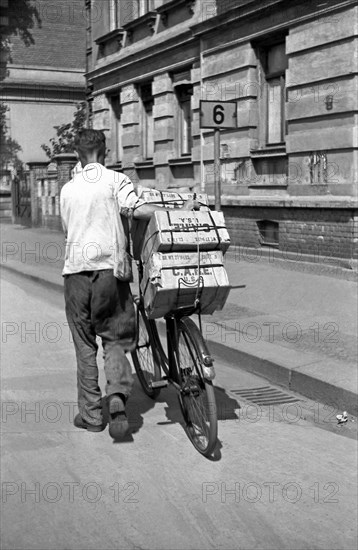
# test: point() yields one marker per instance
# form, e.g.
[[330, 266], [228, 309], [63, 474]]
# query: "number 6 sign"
[[218, 114]]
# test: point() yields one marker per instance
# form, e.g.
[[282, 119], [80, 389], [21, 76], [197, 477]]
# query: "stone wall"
[[47, 181], [5, 206]]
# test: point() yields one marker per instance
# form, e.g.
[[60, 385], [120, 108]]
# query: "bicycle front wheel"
[[145, 357], [197, 398]]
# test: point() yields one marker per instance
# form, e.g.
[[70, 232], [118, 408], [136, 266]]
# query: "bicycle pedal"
[[159, 384]]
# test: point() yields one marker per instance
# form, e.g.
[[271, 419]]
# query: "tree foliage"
[[65, 134], [8, 146], [18, 18]]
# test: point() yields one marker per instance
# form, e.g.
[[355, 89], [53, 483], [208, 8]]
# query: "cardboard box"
[[168, 199], [183, 230], [172, 280], [171, 199]]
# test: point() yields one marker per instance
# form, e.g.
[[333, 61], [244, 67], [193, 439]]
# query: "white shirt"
[[88, 216]]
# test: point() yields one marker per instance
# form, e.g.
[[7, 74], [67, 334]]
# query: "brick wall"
[[324, 231], [60, 41]]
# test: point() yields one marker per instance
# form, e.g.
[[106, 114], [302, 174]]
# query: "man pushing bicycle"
[[98, 298]]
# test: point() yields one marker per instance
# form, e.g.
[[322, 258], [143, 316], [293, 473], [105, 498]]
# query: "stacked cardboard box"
[[183, 230], [177, 279], [182, 254], [169, 199]]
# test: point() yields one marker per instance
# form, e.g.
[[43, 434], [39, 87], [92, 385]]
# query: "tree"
[[65, 134], [8, 146], [18, 18]]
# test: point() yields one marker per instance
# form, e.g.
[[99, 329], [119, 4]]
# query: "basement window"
[[269, 232]]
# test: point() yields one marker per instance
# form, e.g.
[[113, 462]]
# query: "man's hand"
[[191, 204], [145, 211]]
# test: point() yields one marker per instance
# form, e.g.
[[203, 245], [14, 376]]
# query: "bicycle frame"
[[171, 359], [187, 365], [205, 360]]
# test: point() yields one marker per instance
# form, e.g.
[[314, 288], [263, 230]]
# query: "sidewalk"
[[294, 324]]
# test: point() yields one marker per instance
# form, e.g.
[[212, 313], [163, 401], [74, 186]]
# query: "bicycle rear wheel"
[[146, 358], [197, 398]]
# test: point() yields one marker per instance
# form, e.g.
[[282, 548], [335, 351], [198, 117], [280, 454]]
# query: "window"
[[184, 93], [272, 109], [141, 7], [269, 232], [145, 6], [147, 121], [113, 15], [116, 129]]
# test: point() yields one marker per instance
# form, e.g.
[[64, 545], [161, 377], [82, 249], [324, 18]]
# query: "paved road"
[[280, 482]]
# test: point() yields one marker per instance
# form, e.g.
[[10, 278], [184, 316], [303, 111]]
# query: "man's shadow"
[[139, 404]]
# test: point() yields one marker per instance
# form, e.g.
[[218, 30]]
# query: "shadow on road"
[[139, 404]]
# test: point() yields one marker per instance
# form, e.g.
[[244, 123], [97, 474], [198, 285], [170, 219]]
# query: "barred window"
[[273, 64]]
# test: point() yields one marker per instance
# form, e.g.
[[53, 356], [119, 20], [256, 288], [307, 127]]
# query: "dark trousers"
[[98, 304]]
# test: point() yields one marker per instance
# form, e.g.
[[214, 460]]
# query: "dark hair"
[[88, 140]]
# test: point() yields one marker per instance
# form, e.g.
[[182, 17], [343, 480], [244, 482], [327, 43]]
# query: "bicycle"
[[187, 365]]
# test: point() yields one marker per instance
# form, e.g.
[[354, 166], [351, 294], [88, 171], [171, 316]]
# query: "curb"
[[40, 280], [274, 371], [291, 379]]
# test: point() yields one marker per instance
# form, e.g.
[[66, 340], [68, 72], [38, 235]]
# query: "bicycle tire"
[[197, 397], [146, 359]]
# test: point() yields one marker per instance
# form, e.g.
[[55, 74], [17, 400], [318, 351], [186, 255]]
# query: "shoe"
[[118, 421], [80, 422]]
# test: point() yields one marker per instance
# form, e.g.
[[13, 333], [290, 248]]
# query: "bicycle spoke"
[[199, 410], [145, 361]]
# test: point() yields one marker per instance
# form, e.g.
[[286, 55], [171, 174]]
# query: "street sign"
[[218, 114]]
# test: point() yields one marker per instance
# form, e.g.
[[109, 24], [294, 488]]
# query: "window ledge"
[[267, 185], [116, 34], [117, 166], [174, 4], [180, 161], [148, 18], [268, 152], [144, 164], [271, 244]]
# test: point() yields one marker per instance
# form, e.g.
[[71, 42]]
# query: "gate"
[[21, 199]]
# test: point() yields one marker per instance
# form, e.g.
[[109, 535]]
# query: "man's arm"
[[145, 211], [128, 201]]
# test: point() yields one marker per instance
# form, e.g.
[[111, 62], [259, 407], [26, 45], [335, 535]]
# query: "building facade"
[[45, 79], [289, 168]]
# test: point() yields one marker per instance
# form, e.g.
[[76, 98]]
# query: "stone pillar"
[[101, 113], [38, 171], [131, 139], [65, 163]]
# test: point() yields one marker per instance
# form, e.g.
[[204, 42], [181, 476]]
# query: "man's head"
[[90, 146]]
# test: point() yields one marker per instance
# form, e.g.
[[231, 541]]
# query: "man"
[[97, 302]]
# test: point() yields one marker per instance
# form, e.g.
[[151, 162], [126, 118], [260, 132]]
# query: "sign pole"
[[216, 115], [217, 171]]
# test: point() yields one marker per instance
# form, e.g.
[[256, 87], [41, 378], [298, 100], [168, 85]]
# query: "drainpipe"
[[202, 182]]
